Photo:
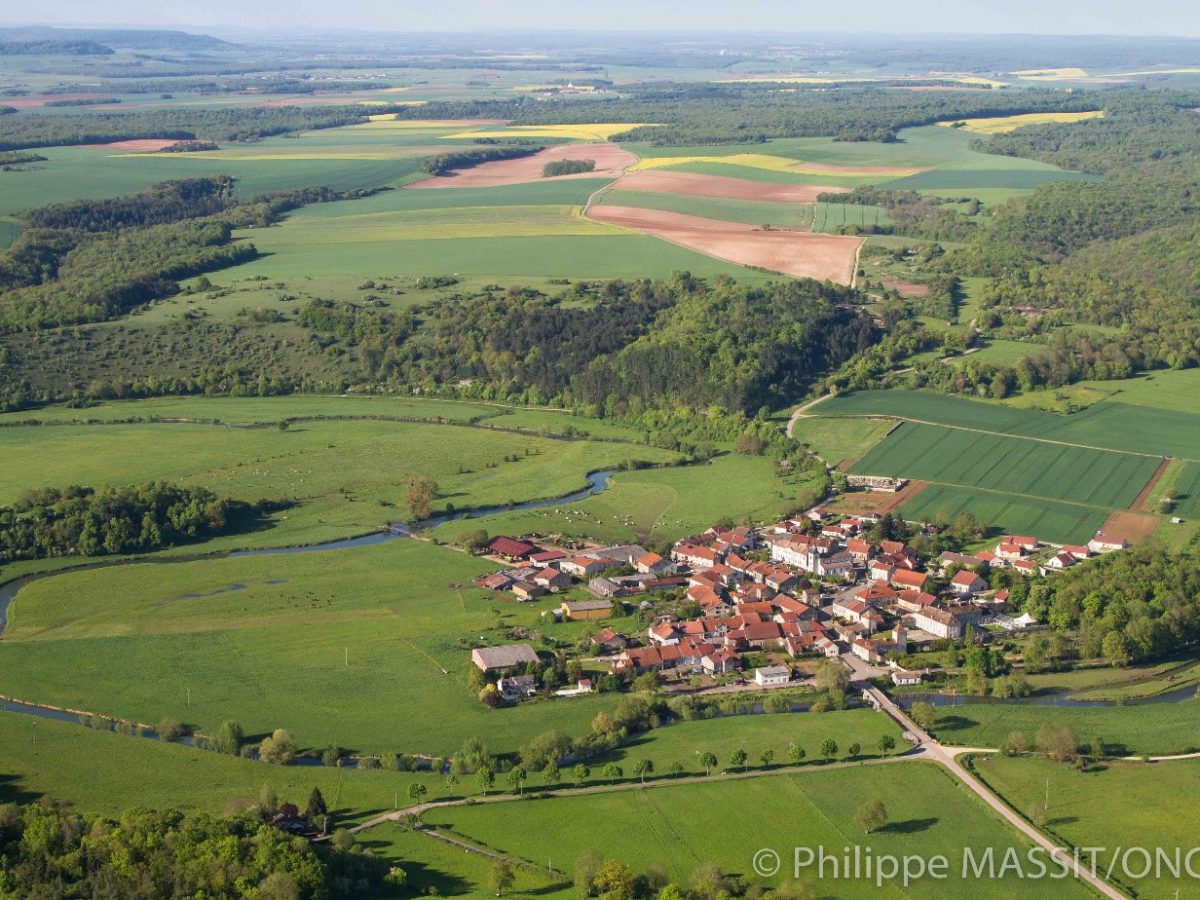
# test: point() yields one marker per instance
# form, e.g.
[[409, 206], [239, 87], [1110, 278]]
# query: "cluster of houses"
[[810, 586]]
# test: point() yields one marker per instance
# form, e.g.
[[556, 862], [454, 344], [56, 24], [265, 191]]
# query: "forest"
[[678, 342], [465, 159], [48, 851], [51, 522], [1127, 607]]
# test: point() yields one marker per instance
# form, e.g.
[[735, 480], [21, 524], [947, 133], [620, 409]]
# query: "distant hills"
[[104, 40]]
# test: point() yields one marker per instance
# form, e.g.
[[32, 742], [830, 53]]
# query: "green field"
[[343, 477], [105, 773], [1126, 427], [835, 440], [1154, 728], [675, 826], [749, 212], [661, 504], [1011, 465], [1092, 809], [346, 649], [1008, 513]]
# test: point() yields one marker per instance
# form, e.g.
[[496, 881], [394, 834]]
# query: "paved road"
[[948, 757]]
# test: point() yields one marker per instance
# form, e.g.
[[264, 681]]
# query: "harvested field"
[[825, 257], [880, 502], [146, 145], [907, 288], [1129, 526], [719, 186], [611, 162]]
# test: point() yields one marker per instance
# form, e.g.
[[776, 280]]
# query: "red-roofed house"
[[966, 583]]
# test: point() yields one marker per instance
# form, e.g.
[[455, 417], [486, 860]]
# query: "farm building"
[[586, 609], [502, 659]]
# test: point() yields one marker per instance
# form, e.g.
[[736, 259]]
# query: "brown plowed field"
[[1144, 495], [610, 159], [1129, 526], [798, 253], [880, 502], [697, 185]]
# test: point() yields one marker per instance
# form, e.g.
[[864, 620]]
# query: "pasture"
[[661, 504], [1151, 728], [104, 773], [674, 826], [837, 440], [341, 477], [356, 647], [1092, 809]]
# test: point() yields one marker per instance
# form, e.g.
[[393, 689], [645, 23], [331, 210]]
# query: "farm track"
[[1139, 502]]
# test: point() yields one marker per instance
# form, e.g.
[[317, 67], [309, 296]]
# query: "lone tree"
[[887, 744], [829, 748], [516, 779], [765, 758], [501, 877], [922, 713], [416, 791], [738, 758], [708, 759], [1058, 741], [871, 815], [316, 808], [643, 768], [612, 771], [485, 778], [421, 491]]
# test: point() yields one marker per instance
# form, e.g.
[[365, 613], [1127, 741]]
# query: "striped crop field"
[[1050, 520], [598, 131], [1013, 465]]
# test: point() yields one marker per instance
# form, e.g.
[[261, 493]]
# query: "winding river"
[[597, 482]]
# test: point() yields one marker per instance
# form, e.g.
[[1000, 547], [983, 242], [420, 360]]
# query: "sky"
[[1131, 17]]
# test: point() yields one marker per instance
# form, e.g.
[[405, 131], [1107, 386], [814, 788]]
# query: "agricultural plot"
[[747, 212], [610, 162], [1007, 513], [801, 254], [1125, 427], [1010, 464], [1005, 124], [674, 826], [1186, 491]]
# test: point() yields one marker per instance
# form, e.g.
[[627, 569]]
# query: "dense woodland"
[[85, 522], [92, 260], [465, 159], [1127, 607], [50, 852], [711, 113]]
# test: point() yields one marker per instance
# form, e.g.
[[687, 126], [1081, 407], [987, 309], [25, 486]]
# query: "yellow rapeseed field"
[[1050, 74], [1003, 124]]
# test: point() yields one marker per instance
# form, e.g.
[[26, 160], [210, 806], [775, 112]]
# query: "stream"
[[597, 482]]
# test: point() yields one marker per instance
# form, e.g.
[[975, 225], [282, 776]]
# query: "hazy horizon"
[[1067, 18]]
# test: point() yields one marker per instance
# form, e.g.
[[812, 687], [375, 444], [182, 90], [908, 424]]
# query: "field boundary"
[[1139, 502]]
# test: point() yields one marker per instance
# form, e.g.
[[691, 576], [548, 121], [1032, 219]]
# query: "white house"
[[769, 675]]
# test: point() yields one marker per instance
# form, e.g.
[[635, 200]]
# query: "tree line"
[[82, 521]]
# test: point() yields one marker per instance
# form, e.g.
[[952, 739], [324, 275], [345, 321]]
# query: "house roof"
[[507, 546], [965, 579], [503, 657], [586, 605], [909, 578]]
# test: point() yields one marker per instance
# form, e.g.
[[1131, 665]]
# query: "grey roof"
[[584, 605], [504, 657]]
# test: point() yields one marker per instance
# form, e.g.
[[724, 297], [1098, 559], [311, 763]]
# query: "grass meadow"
[[343, 477], [675, 826], [1152, 728], [835, 440], [1093, 809], [359, 649]]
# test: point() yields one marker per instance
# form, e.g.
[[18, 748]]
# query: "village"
[[742, 608]]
